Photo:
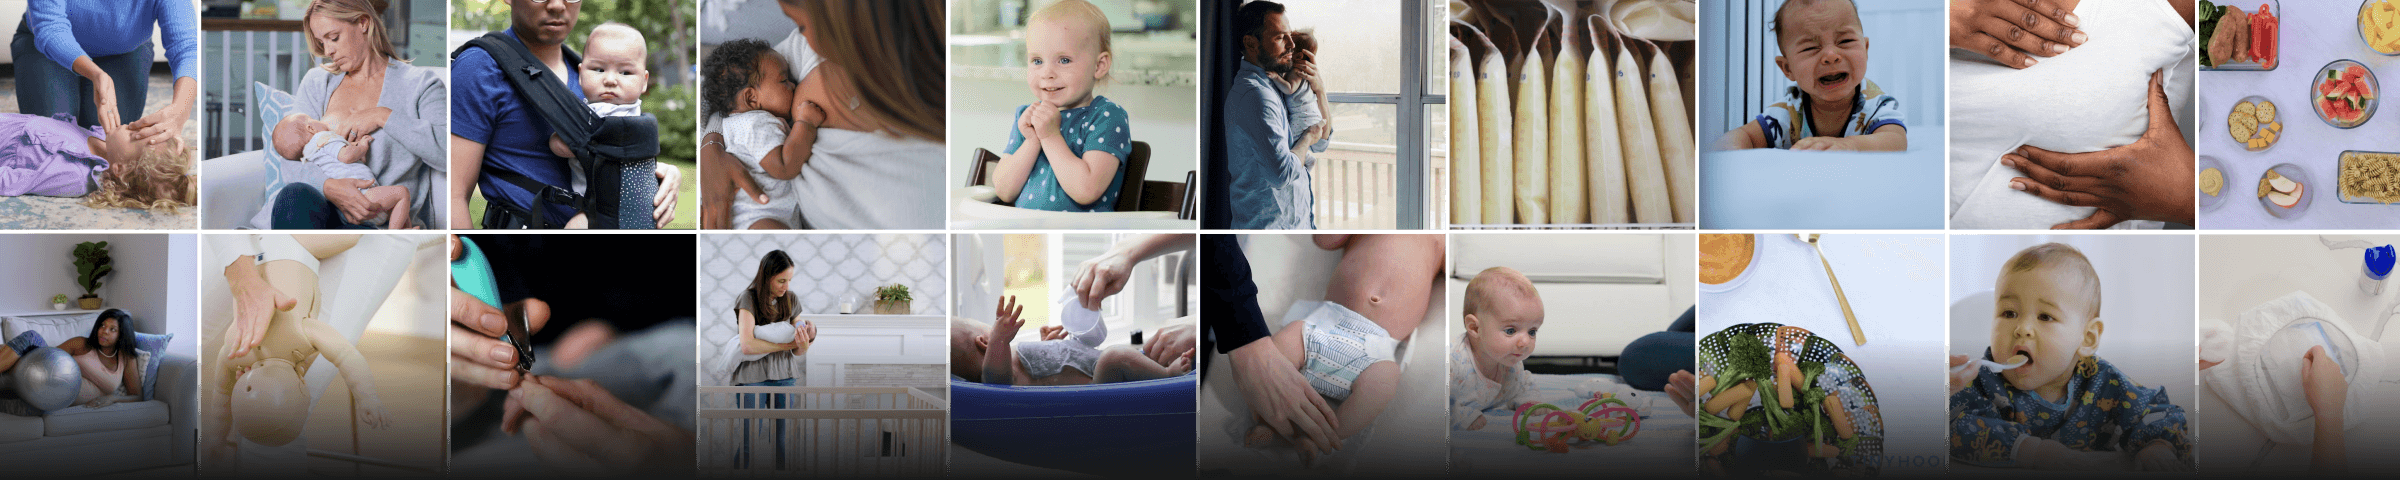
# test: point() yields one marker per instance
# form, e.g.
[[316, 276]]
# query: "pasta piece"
[[1605, 153], [1644, 172], [1466, 186], [1674, 135]]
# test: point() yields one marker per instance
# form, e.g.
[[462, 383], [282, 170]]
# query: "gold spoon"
[[1856, 335]]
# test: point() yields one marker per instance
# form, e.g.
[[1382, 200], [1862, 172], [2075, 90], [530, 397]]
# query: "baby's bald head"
[[1501, 291]]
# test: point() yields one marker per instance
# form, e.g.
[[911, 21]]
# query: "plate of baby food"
[[2371, 178], [1726, 260], [1777, 399], [2256, 123], [2379, 25], [2284, 190], [2211, 183], [2343, 93], [2239, 35]]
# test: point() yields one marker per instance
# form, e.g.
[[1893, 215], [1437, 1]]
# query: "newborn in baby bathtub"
[[1067, 354], [258, 402], [1348, 346], [1503, 313]]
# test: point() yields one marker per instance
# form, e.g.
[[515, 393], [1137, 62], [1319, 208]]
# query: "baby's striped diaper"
[[1341, 344]]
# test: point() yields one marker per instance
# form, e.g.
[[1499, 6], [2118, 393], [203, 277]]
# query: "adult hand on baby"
[[1102, 277], [2014, 31], [577, 424], [1165, 344], [477, 356], [1281, 398], [1313, 134], [160, 126], [2321, 379], [254, 305], [2150, 179], [344, 194]]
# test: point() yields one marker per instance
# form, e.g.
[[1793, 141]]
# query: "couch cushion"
[[153, 349], [77, 420], [54, 329], [17, 429]]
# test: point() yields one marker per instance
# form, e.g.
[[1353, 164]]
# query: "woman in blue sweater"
[[92, 60]]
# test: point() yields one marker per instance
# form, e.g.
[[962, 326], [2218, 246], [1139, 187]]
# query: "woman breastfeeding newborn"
[[2071, 114]]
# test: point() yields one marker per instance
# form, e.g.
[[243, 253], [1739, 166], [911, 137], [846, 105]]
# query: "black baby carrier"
[[616, 154]]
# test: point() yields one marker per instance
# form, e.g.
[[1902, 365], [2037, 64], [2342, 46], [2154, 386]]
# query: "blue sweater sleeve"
[[53, 34], [1257, 149], [181, 27]]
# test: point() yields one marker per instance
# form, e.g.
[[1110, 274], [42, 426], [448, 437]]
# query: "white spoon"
[[2013, 362]]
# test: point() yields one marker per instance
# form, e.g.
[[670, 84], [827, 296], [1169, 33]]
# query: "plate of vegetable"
[[1770, 386], [2240, 36]]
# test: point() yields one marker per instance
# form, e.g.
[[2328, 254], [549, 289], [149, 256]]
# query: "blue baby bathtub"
[[1132, 428]]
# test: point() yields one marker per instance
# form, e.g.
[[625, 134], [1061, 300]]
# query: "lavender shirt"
[[47, 156]]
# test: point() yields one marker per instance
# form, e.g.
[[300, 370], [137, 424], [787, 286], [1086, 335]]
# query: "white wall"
[[152, 278]]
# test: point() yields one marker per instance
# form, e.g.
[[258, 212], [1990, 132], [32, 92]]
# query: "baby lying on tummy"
[[1059, 358], [1503, 313], [299, 138]]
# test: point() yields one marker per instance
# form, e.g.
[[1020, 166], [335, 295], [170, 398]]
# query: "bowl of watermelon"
[[2344, 93]]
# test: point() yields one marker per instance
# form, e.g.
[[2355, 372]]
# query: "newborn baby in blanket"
[[1347, 348], [1067, 354], [299, 138], [2092, 98]]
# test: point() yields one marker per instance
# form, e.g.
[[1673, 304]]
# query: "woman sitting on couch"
[[106, 356]]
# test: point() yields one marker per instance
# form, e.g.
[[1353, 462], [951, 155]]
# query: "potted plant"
[[91, 264], [58, 302], [892, 300]]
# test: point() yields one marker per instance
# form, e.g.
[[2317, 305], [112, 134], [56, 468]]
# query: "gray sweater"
[[412, 149]]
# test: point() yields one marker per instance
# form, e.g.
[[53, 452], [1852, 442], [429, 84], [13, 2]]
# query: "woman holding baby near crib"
[[366, 94], [774, 339]]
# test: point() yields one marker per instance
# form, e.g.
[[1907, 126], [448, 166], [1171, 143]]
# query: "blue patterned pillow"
[[26, 342], [272, 106], [153, 352]]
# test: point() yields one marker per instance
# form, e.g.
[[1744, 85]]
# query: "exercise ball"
[[48, 378], [270, 403]]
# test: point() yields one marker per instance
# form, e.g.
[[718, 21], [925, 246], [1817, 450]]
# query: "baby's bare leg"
[[1387, 278], [1368, 395], [1127, 364], [395, 199]]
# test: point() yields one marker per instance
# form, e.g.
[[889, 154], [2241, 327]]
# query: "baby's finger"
[[466, 345]]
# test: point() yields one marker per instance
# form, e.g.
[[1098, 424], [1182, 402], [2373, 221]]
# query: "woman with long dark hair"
[[770, 301], [106, 356]]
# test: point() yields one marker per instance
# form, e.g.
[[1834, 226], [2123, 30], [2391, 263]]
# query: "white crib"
[[848, 431]]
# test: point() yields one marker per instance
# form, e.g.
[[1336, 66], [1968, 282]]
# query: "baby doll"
[[1066, 151], [299, 138], [260, 400], [1059, 358], [2064, 407], [1487, 365]]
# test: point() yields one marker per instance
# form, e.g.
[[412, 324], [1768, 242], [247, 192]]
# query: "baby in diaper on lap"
[[1067, 354], [1834, 107], [1487, 364], [2064, 408]]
